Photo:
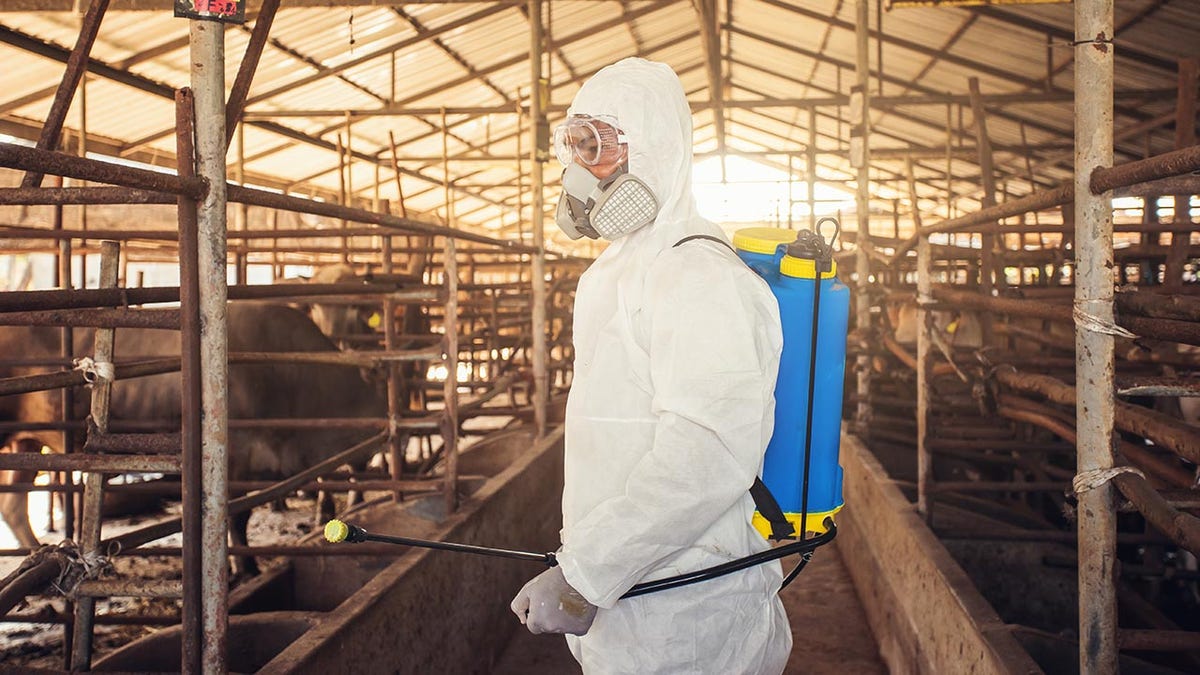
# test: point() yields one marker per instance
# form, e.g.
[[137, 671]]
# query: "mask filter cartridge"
[[609, 208]]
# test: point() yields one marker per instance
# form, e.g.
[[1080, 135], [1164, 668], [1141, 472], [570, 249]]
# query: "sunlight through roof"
[[759, 194]]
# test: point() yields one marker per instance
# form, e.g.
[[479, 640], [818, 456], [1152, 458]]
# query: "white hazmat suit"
[[670, 410]]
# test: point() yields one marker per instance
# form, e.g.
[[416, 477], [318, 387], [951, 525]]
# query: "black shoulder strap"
[[764, 501], [703, 236]]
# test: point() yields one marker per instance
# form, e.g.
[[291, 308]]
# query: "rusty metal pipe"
[[124, 297], [1035, 201], [118, 317], [241, 83], [1168, 164], [1163, 430], [77, 63], [98, 463], [1136, 639], [93, 491], [61, 164], [38, 196]]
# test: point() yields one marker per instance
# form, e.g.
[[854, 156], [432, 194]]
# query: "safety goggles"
[[590, 140]]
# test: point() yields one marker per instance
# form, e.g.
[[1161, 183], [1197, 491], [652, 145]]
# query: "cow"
[[958, 329], [339, 321], [259, 391]]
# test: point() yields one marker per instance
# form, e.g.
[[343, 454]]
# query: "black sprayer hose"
[[338, 531], [818, 266], [805, 546]]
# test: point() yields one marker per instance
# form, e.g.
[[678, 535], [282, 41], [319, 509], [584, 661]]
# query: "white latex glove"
[[548, 604]]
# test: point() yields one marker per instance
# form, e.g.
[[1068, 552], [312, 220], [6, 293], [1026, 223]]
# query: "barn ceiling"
[[358, 75]]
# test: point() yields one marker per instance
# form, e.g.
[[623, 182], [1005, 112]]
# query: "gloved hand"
[[548, 604]]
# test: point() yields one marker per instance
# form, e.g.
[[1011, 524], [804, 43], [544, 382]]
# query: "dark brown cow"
[[269, 391]]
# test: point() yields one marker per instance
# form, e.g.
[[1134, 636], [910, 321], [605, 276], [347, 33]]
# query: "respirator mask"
[[610, 208], [592, 207]]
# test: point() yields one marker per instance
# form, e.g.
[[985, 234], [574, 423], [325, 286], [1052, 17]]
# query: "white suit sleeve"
[[713, 341]]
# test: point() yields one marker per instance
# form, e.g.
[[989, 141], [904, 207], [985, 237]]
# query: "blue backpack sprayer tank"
[[801, 486], [801, 467]]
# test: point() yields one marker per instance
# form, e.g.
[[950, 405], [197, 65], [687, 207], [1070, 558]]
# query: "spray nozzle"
[[811, 245]]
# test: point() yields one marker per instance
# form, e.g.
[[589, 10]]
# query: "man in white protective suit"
[[671, 407]]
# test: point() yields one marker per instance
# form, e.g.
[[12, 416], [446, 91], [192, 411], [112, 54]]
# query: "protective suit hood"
[[649, 104]]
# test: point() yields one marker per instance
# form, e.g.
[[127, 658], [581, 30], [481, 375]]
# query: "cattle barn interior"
[[269, 262]]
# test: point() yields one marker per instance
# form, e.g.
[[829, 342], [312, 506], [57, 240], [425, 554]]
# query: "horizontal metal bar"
[[1137, 639], [243, 195], [1157, 386], [123, 297], [109, 317], [53, 617], [140, 444], [28, 461], [82, 195], [172, 487], [1152, 168], [61, 164], [130, 588]]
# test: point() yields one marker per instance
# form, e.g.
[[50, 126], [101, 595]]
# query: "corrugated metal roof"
[[429, 55]]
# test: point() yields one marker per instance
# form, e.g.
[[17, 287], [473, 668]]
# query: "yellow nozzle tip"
[[335, 531]]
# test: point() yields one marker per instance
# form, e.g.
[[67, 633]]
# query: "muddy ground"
[[40, 645]]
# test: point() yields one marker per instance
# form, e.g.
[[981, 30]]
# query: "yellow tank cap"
[[816, 522], [762, 239], [802, 268]]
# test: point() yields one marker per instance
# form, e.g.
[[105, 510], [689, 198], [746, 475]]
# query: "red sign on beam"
[[227, 11]]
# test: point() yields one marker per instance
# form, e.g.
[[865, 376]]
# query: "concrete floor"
[[829, 629]]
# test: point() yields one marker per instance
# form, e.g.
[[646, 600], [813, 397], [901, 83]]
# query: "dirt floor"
[[40, 645], [829, 630]]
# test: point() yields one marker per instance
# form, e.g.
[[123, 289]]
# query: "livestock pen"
[[496, 348], [1016, 185]]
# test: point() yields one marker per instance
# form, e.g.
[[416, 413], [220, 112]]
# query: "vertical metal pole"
[[949, 160], [862, 161], [243, 210], [394, 389], [987, 265], [1185, 136], [450, 389], [342, 196], [349, 198], [791, 198], [399, 185], [537, 219], [66, 394], [66, 349], [1094, 409], [811, 165], [924, 349], [83, 135], [450, 323], [520, 189], [93, 490], [190, 395], [208, 83]]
